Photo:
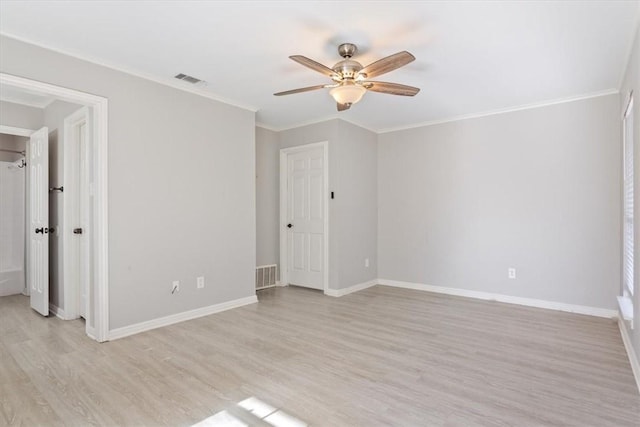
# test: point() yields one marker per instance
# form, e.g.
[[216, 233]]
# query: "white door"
[[305, 218], [38, 257], [81, 227]]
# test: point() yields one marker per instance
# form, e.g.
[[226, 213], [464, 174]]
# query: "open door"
[[77, 202], [38, 259]]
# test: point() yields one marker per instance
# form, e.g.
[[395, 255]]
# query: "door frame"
[[284, 196], [99, 328]]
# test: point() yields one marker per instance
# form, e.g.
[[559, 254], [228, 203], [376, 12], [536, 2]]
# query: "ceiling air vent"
[[190, 79]]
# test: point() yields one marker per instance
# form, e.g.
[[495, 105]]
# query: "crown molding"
[[450, 119], [180, 86], [297, 125], [503, 110], [266, 126], [312, 122], [140, 74], [360, 125]]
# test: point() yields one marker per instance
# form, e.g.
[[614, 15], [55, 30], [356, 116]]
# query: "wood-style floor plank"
[[379, 357]]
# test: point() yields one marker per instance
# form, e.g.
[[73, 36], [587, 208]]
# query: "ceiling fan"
[[350, 78]]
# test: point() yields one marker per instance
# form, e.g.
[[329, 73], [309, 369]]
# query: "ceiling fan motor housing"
[[347, 68]]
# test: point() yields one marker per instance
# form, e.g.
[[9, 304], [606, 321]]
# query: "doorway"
[[84, 190], [304, 215]]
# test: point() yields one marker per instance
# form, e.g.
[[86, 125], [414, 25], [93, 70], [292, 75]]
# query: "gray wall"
[[631, 82], [267, 197], [11, 142], [537, 190], [54, 115], [20, 116], [181, 187], [356, 203], [353, 212]]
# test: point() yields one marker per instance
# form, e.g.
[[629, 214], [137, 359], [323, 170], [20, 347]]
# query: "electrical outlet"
[[366, 262], [512, 273], [175, 286], [200, 282]]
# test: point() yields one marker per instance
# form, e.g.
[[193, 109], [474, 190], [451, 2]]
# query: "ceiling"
[[472, 57]]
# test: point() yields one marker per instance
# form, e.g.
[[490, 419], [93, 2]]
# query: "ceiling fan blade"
[[387, 64], [302, 89], [391, 88], [342, 107], [316, 66]]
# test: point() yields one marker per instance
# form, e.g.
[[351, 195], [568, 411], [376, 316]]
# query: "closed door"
[[305, 218], [38, 256]]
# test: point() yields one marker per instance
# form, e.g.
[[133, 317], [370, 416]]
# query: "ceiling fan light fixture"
[[347, 93], [351, 79]]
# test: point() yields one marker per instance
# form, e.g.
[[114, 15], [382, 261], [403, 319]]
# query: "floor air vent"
[[266, 276]]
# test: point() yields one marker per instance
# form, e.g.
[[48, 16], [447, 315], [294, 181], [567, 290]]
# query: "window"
[[626, 302]]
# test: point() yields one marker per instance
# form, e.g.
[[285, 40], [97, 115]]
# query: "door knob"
[[77, 231], [289, 225], [40, 230]]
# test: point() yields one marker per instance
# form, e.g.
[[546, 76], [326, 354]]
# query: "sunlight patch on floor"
[[248, 410]]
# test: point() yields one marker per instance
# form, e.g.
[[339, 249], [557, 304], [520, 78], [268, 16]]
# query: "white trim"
[[633, 358], [312, 122], [267, 127], [168, 81], [100, 140], [449, 119], [284, 152], [301, 124], [11, 130], [628, 105], [503, 110], [125, 331], [350, 289], [625, 305], [529, 302], [91, 332], [358, 125], [57, 311]]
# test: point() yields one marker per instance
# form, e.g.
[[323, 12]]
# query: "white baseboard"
[[91, 332], [57, 311], [529, 302], [350, 289], [633, 357], [125, 331]]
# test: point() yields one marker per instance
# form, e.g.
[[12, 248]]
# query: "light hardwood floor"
[[382, 356]]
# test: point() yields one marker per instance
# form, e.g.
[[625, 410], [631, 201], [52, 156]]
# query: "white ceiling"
[[472, 57]]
